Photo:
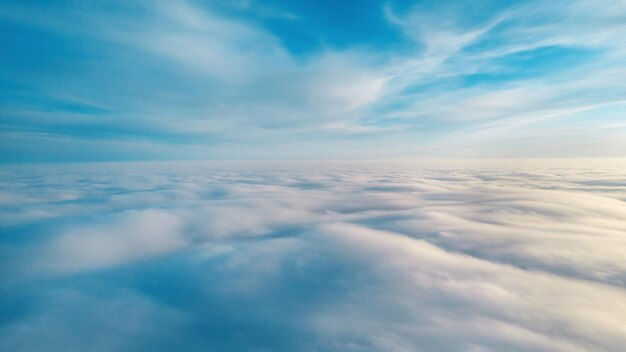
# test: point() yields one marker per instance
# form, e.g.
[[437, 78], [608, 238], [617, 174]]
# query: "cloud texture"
[[412, 256]]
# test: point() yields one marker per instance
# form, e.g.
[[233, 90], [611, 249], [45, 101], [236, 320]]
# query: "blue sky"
[[146, 80]]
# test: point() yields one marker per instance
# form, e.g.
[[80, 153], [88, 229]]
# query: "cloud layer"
[[420, 256]]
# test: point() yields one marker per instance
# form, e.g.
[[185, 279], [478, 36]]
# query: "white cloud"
[[128, 236], [430, 255]]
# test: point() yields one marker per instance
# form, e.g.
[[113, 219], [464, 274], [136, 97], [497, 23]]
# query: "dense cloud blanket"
[[415, 256]]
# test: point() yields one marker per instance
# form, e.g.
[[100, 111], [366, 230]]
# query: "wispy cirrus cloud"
[[218, 81]]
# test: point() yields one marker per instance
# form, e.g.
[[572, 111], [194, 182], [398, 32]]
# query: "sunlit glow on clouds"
[[416, 256]]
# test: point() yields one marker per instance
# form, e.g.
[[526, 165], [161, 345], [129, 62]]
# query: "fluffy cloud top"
[[422, 256]]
